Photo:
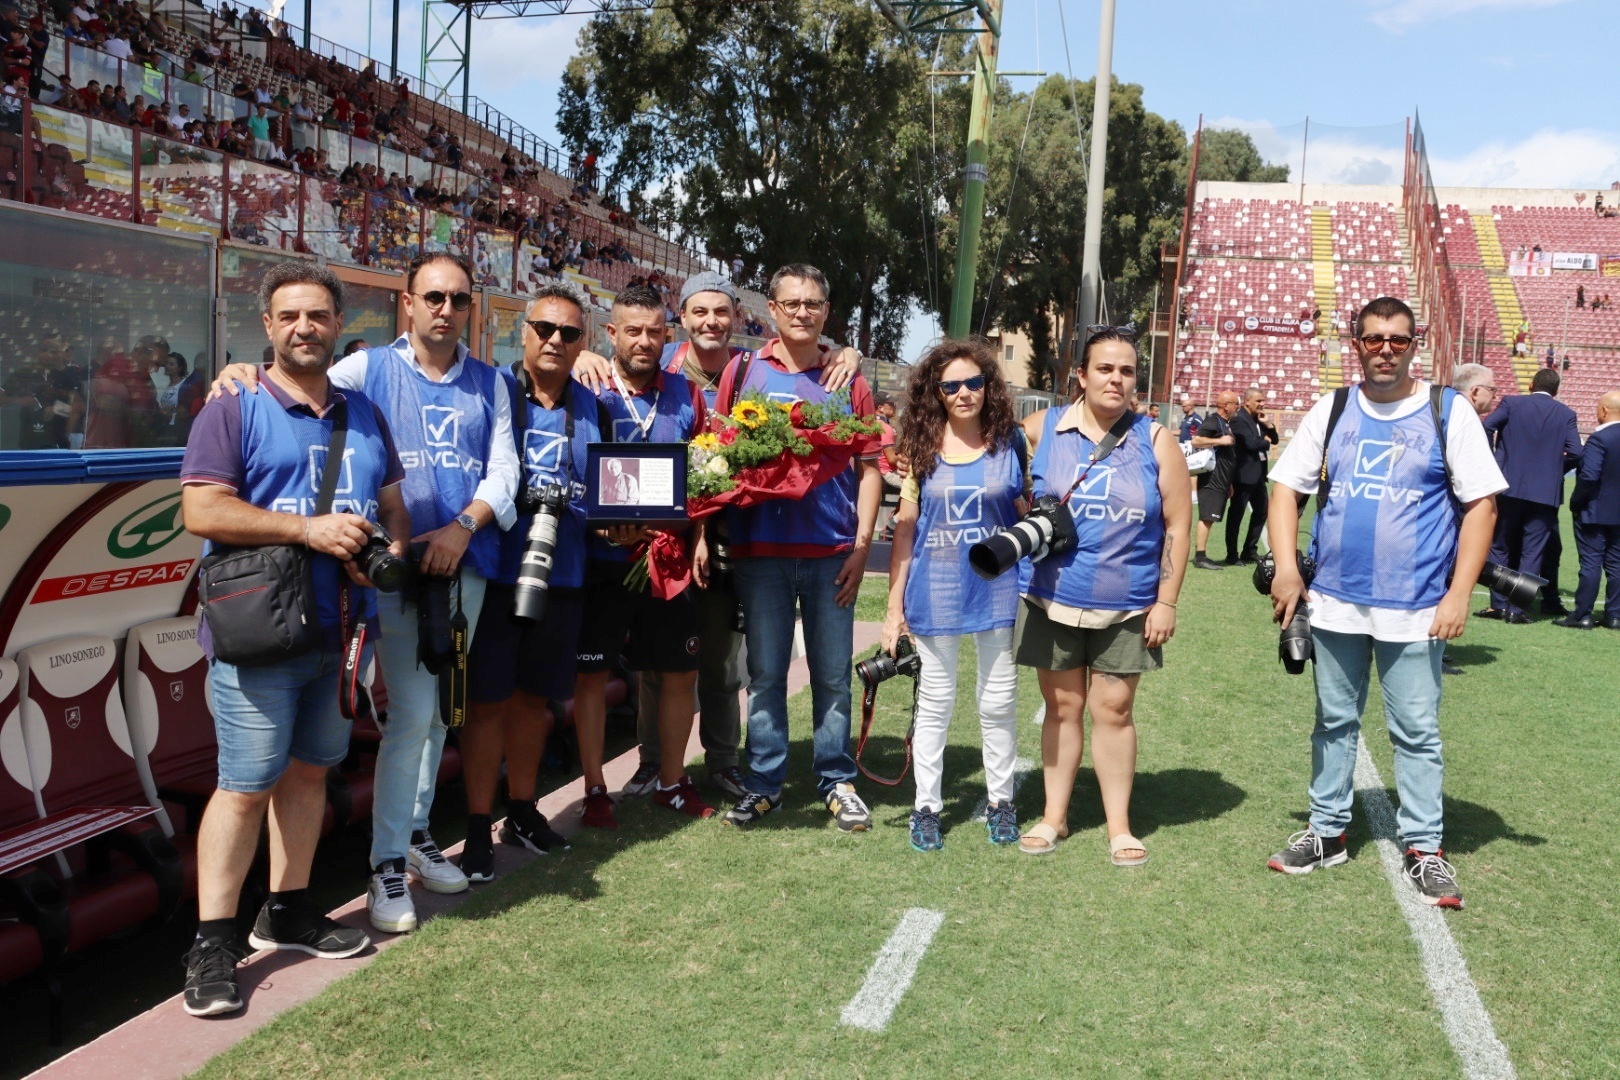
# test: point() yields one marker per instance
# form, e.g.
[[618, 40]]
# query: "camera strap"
[[334, 456], [1102, 450], [354, 699], [868, 707], [1341, 397], [453, 679]]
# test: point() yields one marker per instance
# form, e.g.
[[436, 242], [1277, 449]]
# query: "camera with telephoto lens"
[[546, 503], [1048, 529], [386, 570], [1519, 588], [1294, 647], [883, 667]]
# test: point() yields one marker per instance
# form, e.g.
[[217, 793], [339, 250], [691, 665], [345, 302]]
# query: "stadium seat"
[[33, 912], [171, 721]]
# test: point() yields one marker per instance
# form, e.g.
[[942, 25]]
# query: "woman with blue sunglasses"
[[961, 438]]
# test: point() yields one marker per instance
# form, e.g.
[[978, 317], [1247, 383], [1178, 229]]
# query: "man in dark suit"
[[1596, 505], [1536, 443], [1215, 486], [1253, 437]]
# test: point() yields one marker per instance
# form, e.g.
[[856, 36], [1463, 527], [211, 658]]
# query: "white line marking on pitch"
[[1467, 1025], [891, 974], [1022, 769]]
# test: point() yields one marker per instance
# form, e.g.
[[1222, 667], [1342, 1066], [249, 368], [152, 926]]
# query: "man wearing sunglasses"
[[1398, 550], [453, 428]]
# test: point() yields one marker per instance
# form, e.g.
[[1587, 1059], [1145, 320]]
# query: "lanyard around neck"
[[643, 424]]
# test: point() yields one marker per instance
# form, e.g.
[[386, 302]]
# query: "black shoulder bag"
[[259, 602]]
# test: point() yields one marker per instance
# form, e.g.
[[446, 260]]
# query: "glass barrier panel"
[[392, 161], [492, 258], [336, 145], [533, 270], [239, 273], [86, 64], [196, 99], [182, 186], [362, 152], [88, 317], [56, 59], [263, 204], [332, 216], [87, 166], [369, 314], [393, 233], [506, 337], [305, 134]]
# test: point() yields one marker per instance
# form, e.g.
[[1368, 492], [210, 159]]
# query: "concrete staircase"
[[1327, 301], [1509, 313]]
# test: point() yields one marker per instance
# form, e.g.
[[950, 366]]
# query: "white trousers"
[[936, 699]]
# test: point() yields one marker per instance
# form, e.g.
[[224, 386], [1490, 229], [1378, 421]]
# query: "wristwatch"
[[468, 522]]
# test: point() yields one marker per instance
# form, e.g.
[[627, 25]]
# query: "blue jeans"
[[769, 587], [268, 714], [413, 739], [1409, 676]]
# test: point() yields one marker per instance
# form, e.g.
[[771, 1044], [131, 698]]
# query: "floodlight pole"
[[977, 170], [1091, 252]]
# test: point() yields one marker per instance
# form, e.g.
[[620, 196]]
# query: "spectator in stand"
[[261, 93], [1580, 290], [62, 94], [11, 103], [1595, 503], [117, 45], [259, 127], [342, 111], [1537, 441], [90, 98]]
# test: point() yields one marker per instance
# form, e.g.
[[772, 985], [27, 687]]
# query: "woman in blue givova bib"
[[1095, 616], [961, 438]]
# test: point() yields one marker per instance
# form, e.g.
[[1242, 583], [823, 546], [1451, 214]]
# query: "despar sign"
[[1254, 324], [129, 562]]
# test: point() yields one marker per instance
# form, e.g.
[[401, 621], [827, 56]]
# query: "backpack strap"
[[742, 363], [1341, 398]]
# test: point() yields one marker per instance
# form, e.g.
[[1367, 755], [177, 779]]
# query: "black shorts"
[[653, 634], [1211, 503], [537, 658]]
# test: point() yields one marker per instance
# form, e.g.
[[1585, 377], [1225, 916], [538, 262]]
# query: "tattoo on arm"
[[1165, 563]]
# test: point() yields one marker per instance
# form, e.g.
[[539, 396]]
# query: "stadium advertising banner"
[[1570, 260], [1253, 324], [1609, 266], [1524, 263]]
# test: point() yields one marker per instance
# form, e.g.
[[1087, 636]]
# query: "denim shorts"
[[265, 716]]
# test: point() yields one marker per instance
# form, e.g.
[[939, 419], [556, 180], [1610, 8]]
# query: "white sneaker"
[[388, 901], [435, 872]]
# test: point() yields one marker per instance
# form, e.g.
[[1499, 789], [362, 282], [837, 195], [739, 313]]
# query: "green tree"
[[1227, 154], [789, 131]]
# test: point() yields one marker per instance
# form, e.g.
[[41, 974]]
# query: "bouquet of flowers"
[[759, 451]]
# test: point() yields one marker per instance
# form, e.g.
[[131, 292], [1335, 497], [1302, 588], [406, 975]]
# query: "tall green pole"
[[976, 172]]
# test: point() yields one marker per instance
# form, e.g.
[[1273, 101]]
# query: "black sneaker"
[[1306, 852], [643, 782], [749, 809], [306, 932], [1436, 880], [848, 809], [211, 977], [1204, 562], [925, 831], [526, 827], [478, 857]]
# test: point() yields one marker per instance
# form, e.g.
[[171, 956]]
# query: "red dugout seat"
[[171, 720]]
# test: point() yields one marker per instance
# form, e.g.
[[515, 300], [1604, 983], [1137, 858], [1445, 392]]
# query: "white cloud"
[[1398, 16], [1581, 158]]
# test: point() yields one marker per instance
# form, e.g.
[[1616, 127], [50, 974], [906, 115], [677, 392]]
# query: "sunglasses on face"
[[461, 301], [949, 387], [1398, 343], [544, 330], [791, 307]]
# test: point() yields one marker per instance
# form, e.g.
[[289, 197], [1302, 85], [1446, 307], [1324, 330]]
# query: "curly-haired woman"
[[961, 437]]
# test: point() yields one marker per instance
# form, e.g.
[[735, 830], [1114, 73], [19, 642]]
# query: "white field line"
[[891, 974], [1467, 1025], [1022, 769]]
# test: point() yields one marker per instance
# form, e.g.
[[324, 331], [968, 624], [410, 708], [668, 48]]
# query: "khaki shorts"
[[1117, 649]]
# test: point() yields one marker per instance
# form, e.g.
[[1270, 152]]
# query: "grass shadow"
[[1468, 827], [1471, 656]]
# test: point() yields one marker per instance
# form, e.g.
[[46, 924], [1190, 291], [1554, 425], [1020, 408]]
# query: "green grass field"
[[675, 948]]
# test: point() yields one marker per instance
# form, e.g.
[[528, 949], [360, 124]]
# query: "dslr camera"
[[547, 503], [883, 667], [1048, 529], [1294, 647], [386, 570]]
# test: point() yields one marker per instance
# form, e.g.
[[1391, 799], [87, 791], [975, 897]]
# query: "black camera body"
[[882, 667], [547, 503], [1048, 529], [1294, 646], [435, 643], [386, 570]]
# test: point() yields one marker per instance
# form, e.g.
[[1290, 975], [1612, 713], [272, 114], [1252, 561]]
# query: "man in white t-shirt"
[[1387, 535]]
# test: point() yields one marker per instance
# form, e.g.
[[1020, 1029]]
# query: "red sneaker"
[[683, 798], [598, 811]]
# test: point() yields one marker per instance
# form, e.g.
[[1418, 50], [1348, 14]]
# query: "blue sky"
[[1512, 93]]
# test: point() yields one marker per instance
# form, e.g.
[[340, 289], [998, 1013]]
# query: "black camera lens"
[[882, 667], [1294, 646], [385, 569], [1048, 529]]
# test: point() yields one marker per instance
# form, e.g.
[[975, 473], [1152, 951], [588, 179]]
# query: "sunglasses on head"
[[1127, 331], [461, 301], [949, 387], [544, 330], [1398, 343]]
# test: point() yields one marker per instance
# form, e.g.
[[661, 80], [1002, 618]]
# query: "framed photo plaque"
[[636, 483]]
